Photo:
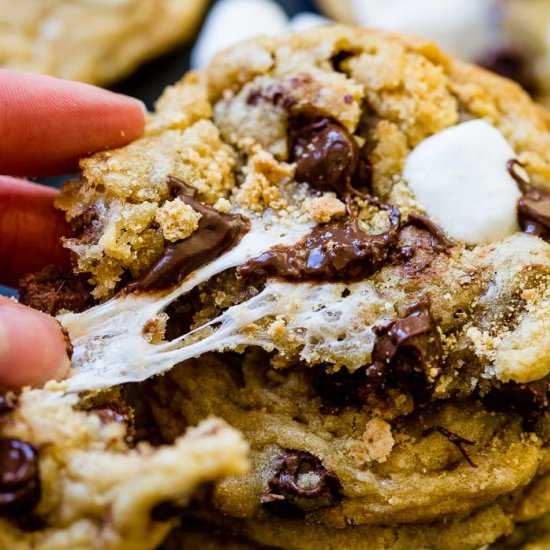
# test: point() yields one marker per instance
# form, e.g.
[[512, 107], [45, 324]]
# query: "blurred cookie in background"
[[509, 37], [95, 41]]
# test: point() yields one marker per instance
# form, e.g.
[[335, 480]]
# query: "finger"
[[33, 348], [30, 229], [47, 123]]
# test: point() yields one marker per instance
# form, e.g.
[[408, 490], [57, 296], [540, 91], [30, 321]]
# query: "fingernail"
[[33, 348]]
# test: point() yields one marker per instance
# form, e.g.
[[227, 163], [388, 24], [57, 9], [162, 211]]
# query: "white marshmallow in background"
[[305, 21], [460, 177], [461, 27], [231, 21]]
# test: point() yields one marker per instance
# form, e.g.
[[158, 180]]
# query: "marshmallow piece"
[[306, 20], [460, 178], [461, 27], [231, 21]]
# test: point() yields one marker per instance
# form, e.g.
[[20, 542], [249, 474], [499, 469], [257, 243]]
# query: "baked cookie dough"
[[336, 241], [75, 479], [509, 37], [95, 41]]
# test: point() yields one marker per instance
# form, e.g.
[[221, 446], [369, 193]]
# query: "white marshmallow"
[[306, 20], [231, 21], [460, 178], [461, 27]]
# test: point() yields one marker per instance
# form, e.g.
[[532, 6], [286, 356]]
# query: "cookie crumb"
[[324, 209], [378, 440], [177, 220]]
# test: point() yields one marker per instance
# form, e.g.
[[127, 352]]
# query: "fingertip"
[[123, 112], [33, 348], [48, 123]]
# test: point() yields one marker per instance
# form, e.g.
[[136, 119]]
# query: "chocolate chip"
[[534, 215], [215, 234], [408, 352], [325, 153], [533, 208], [337, 251], [420, 241], [301, 484], [19, 477]]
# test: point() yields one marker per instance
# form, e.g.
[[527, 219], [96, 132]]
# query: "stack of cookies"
[[310, 308]]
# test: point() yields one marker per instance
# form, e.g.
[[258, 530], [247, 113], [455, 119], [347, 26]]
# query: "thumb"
[[33, 349]]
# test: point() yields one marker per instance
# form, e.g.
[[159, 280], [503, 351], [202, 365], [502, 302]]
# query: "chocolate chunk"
[[533, 208], [407, 352], [325, 153], [53, 289], [534, 214], [511, 63], [337, 251], [301, 484], [420, 240], [215, 234], [19, 477]]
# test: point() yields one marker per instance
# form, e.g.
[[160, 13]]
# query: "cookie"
[[505, 36], [72, 478], [337, 242], [93, 41]]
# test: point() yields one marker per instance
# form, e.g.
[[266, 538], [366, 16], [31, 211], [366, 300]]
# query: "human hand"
[[46, 124]]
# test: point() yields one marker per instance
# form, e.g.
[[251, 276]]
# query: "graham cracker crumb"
[[177, 220]]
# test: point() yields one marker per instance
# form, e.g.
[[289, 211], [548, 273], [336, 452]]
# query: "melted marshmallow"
[[460, 178]]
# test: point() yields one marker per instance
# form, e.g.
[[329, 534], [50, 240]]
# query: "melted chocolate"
[[419, 241], [215, 234], [301, 484], [326, 154], [19, 477], [337, 251], [407, 353], [534, 207], [408, 350]]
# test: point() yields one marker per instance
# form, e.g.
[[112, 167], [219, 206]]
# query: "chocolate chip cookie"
[[337, 242], [95, 41]]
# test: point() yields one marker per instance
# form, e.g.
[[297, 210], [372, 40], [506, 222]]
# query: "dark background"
[[149, 81]]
